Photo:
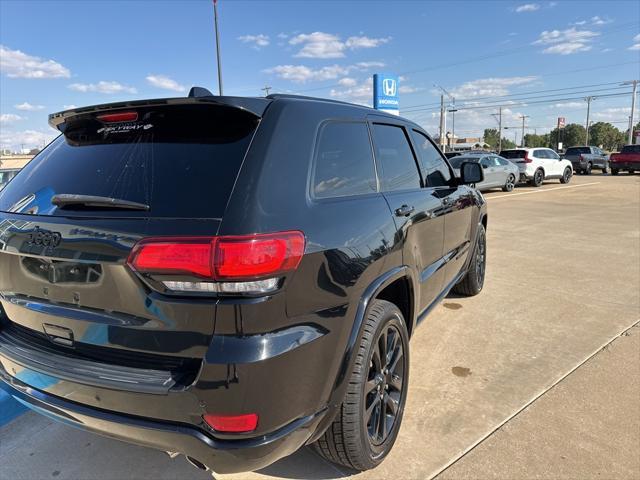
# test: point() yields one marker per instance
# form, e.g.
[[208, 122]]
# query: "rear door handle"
[[404, 211]]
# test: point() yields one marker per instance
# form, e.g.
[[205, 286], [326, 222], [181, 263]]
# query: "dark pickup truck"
[[627, 159], [584, 159]]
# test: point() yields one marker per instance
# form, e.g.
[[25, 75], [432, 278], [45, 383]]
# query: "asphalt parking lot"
[[488, 373]]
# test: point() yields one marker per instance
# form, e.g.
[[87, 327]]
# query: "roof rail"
[[275, 96], [199, 92]]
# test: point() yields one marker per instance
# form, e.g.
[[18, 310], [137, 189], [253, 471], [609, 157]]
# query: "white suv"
[[539, 164]]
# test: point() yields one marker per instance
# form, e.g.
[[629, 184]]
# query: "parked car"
[[450, 155], [187, 275], [539, 164], [7, 174], [627, 159], [584, 159], [498, 171]]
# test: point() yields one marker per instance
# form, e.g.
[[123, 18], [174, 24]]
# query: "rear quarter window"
[[343, 164]]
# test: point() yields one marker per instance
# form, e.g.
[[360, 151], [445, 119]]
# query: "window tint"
[[393, 152], [541, 154], [513, 153], [344, 163], [486, 162], [459, 160], [502, 161], [435, 170], [181, 160], [577, 150], [552, 155], [630, 149]]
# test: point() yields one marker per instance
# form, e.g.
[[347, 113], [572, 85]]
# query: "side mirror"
[[471, 172]]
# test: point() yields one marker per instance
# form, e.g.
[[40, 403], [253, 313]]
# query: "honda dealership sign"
[[385, 93]]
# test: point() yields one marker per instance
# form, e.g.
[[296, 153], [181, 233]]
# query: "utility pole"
[[633, 108], [500, 130], [588, 100], [453, 111], [499, 120], [523, 117], [443, 121], [266, 90], [215, 21]]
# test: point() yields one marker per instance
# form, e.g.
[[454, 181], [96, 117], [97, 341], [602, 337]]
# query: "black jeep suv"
[[231, 278]]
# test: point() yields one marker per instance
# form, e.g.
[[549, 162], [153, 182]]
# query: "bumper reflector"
[[256, 286], [232, 423]]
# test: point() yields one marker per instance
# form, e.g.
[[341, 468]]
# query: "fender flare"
[[340, 384]]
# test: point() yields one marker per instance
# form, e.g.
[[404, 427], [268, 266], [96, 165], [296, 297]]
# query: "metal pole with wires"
[[633, 108], [588, 100], [523, 117], [215, 21]]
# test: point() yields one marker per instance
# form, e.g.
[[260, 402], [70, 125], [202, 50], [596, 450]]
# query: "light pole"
[[523, 117], [443, 116]]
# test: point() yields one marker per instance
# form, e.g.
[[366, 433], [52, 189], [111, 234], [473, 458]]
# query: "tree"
[[606, 135], [572, 135], [533, 141], [491, 139]]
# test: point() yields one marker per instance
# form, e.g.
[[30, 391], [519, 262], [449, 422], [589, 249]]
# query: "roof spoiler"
[[197, 95]]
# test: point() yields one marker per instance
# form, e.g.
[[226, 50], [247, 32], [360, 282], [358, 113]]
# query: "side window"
[[502, 161], [486, 162], [394, 155], [435, 170], [344, 163], [541, 154], [552, 155]]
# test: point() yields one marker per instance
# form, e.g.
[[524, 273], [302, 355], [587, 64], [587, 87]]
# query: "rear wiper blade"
[[70, 200]]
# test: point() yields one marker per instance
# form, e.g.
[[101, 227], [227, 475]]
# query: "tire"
[[510, 183], [352, 440], [614, 171], [587, 170], [566, 176], [538, 178], [473, 281]]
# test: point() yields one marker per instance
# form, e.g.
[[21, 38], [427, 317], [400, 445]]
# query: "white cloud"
[[256, 41], [361, 93], [596, 21], [329, 45], [611, 114], [303, 73], [355, 43], [348, 82], [6, 118], [528, 7], [102, 87], [26, 138], [17, 64], [636, 45], [489, 87], [27, 107], [566, 42], [282, 36], [568, 105], [164, 82]]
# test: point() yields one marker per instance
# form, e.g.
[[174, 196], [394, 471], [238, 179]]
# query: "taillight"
[[118, 117], [243, 264], [581, 157], [232, 423], [526, 158]]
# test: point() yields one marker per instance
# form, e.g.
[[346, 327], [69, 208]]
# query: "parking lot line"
[[545, 190]]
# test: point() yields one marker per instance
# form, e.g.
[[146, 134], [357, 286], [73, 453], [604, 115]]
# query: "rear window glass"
[[182, 161], [577, 150], [457, 161], [513, 153], [631, 149], [344, 161]]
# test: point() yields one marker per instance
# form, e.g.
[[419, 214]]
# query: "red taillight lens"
[[526, 158], [232, 423], [255, 256], [173, 255], [118, 117], [244, 257]]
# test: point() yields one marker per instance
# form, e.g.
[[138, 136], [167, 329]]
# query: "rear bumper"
[[626, 165], [222, 456]]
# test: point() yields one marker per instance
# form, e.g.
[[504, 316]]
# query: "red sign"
[[560, 122]]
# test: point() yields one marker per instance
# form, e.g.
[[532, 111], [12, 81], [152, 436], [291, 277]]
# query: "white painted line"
[[537, 396], [542, 191]]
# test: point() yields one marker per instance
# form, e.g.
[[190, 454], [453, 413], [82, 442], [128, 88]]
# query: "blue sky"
[[57, 54]]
